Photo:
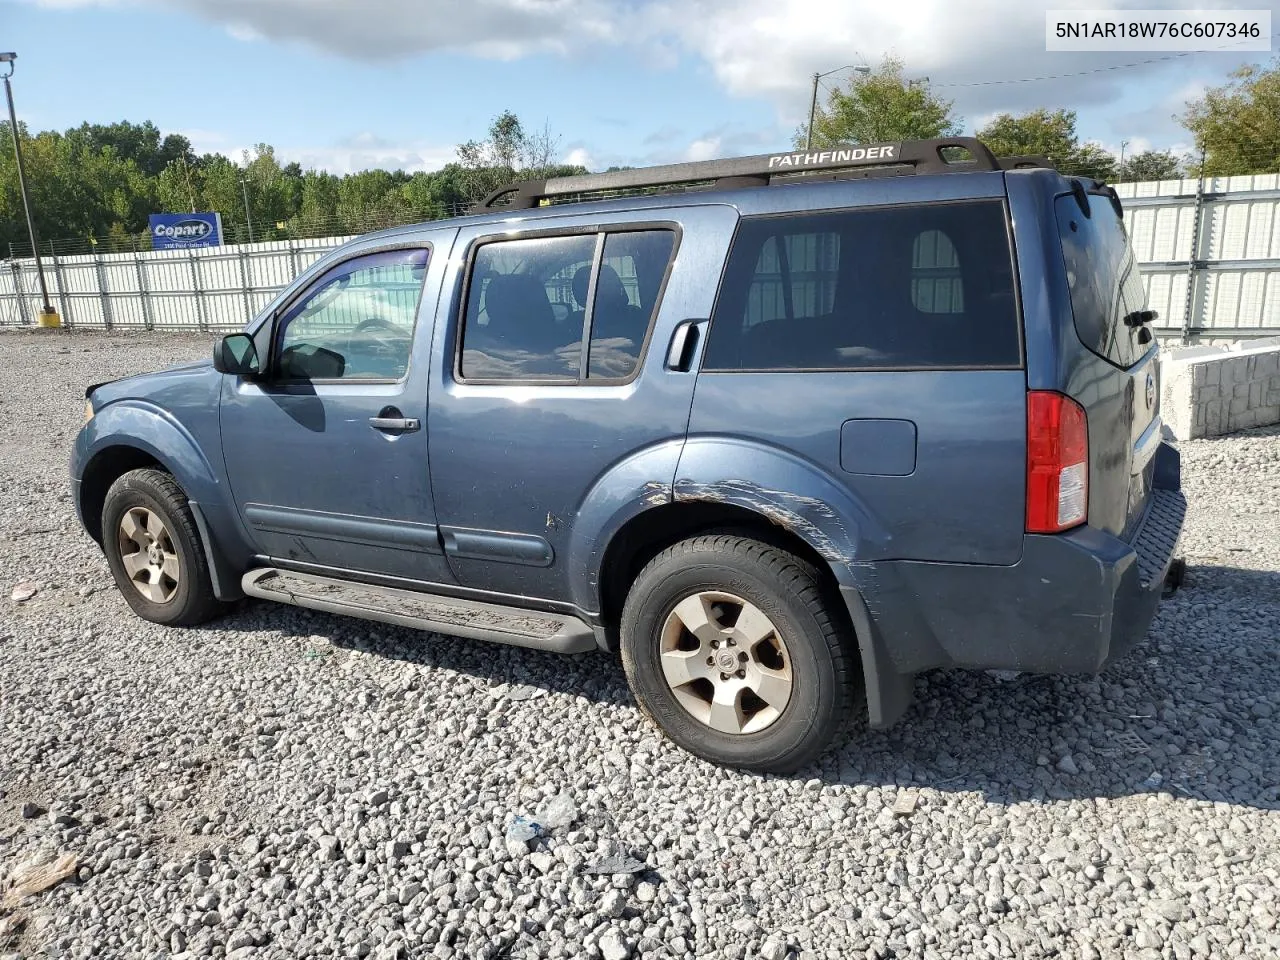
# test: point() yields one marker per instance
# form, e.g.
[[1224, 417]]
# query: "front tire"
[[154, 550], [735, 650]]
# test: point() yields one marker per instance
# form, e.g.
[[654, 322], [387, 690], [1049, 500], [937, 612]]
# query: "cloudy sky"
[[348, 84]]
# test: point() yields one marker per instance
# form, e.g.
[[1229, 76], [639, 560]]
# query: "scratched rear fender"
[[791, 492]]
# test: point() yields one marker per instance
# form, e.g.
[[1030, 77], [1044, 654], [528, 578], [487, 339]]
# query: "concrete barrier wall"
[[1207, 391]]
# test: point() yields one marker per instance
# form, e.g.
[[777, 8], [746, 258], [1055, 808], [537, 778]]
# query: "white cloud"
[[377, 30], [348, 158], [579, 156], [758, 48], [707, 148], [243, 32], [362, 151], [773, 47]]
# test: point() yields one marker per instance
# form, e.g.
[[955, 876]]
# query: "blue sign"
[[176, 231]]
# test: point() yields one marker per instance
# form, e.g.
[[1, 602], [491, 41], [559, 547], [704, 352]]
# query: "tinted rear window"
[[891, 287], [1104, 279]]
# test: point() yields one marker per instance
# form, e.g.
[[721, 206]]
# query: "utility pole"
[[248, 219], [813, 100], [813, 107], [48, 316], [1120, 169]]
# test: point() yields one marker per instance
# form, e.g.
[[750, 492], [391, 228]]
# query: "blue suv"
[[784, 431]]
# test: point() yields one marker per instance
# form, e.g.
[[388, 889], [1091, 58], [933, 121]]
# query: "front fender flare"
[[146, 427], [153, 430]]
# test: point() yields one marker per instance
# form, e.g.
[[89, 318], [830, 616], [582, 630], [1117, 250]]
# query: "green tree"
[[220, 192], [503, 148], [139, 142], [373, 199], [100, 181], [318, 203], [1150, 165], [438, 194], [273, 194], [509, 153], [1237, 126], [880, 106], [1051, 134], [177, 187]]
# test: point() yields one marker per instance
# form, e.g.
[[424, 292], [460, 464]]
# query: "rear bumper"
[[1072, 603]]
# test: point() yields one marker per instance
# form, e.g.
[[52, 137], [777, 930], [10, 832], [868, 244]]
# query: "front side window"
[[530, 303], [916, 286], [355, 322]]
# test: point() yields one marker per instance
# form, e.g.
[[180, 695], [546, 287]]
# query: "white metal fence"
[[1210, 254], [210, 288]]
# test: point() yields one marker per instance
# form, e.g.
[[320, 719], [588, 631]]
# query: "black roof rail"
[[913, 156], [1022, 163]]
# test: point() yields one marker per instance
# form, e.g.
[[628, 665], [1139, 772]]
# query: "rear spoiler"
[[1096, 187]]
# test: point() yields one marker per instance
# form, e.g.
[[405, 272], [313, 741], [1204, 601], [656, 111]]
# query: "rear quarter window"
[[906, 287], [1103, 277]]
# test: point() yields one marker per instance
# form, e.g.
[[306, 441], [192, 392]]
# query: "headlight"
[[88, 410]]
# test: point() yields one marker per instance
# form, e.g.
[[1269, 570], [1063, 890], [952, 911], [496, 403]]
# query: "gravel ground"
[[290, 784]]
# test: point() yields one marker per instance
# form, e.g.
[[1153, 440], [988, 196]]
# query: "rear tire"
[[154, 552], [794, 687]]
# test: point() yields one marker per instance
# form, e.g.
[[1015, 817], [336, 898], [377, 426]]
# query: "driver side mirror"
[[236, 354]]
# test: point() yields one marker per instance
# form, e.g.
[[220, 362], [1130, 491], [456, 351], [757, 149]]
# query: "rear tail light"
[[1057, 463]]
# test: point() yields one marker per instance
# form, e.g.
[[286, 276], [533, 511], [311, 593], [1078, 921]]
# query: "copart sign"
[[170, 231]]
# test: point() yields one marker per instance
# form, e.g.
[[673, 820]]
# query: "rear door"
[[882, 344], [1115, 376]]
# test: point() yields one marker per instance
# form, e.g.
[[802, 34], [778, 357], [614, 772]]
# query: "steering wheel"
[[378, 323], [388, 338]]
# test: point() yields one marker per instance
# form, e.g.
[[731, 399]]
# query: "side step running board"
[[424, 611]]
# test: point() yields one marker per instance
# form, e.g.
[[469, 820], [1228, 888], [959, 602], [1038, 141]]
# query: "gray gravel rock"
[[287, 784], [613, 903], [559, 811], [614, 946]]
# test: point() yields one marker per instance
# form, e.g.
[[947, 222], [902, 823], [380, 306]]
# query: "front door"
[[326, 452], [556, 392]]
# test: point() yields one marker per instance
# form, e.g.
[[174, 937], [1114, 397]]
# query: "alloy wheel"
[[725, 662], [150, 560]]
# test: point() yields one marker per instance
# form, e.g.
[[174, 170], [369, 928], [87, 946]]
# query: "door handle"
[[683, 343], [405, 424]]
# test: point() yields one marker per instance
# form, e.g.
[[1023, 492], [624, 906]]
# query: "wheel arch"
[[887, 692], [650, 532], [102, 470]]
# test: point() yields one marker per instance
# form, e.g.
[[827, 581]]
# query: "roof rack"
[[912, 156]]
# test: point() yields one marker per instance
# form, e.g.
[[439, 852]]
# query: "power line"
[[1079, 73], [1095, 70]]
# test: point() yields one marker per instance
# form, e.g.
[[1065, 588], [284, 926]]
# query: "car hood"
[[145, 385]]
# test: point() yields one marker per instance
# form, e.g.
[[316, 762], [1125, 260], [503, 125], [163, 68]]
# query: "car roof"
[[814, 195]]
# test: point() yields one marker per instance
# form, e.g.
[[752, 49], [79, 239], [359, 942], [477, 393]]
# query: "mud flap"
[[225, 581], [888, 692]]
